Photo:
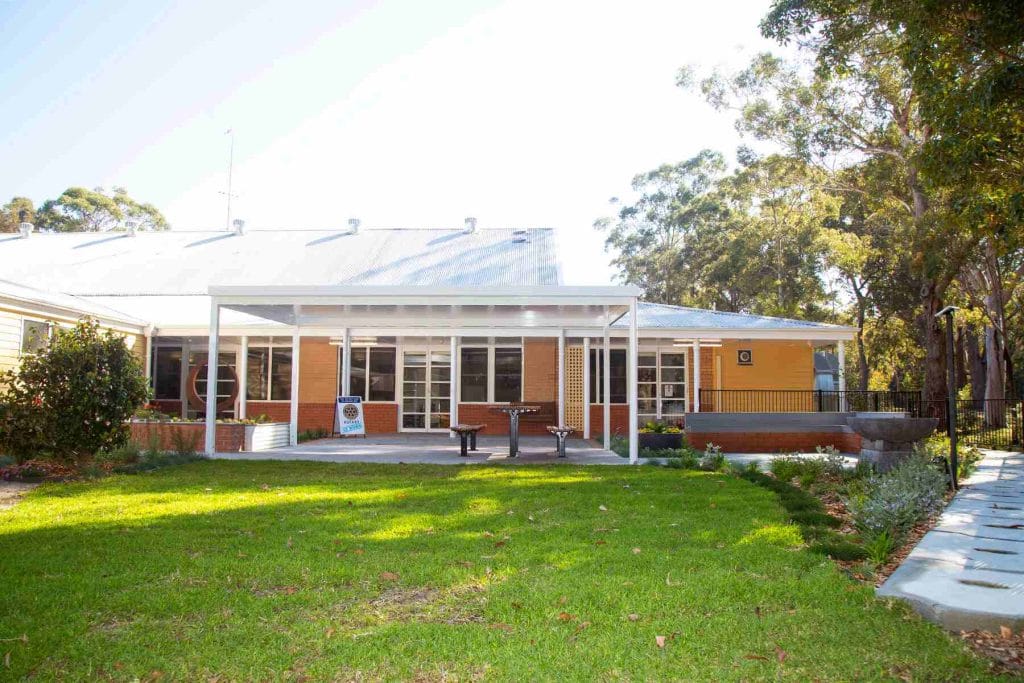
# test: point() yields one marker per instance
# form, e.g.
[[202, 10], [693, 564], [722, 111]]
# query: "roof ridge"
[[737, 314], [217, 231]]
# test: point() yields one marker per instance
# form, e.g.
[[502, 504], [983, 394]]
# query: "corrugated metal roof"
[[178, 262], [663, 316], [31, 296]]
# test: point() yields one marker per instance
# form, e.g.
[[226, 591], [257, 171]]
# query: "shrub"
[[893, 503], [73, 398], [879, 546], [792, 466], [936, 447], [127, 453], [154, 461], [659, 428], [831, 459], [184, 443], [312, 435], [839, 550], [713, 459]]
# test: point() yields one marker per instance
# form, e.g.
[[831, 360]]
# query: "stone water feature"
[[885, 441]]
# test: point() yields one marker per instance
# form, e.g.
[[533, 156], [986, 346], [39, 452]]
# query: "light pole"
[[948, 311]]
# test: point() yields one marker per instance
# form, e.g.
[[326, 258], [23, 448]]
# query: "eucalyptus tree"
[[83, 210]]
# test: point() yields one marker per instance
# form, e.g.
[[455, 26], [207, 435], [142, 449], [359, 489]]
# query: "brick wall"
[[277, 411], [540, 369], [230, 437], [619, 421], [775, 442], [318, 371], [497, 423], [380, 418]]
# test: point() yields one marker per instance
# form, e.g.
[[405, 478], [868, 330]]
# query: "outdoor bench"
[[467, 435]]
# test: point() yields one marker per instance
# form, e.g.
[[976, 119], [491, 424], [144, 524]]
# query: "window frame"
[[491, 378], [369, 349], [270, 346], [25, 320], [597, 380]]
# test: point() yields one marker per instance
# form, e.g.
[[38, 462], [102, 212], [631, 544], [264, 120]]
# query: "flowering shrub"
[[893, 503], [713, 459], [659, 428], [72, 398]]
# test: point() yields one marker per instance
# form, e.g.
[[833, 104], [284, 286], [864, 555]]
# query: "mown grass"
[[260, 570]]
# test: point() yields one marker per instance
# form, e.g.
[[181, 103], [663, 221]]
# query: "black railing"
[[993, 423], [806, 401]]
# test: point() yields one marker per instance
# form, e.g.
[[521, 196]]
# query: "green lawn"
[[257, 570]]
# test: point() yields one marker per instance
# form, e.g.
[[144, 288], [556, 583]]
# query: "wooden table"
[[514, 410]]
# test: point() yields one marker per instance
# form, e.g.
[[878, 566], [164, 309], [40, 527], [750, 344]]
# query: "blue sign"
[[349, 416]]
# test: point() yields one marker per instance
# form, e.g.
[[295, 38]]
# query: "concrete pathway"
[[436, 449], [12, 491], [968, 572]]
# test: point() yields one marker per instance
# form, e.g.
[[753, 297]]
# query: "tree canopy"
[[80, 210]]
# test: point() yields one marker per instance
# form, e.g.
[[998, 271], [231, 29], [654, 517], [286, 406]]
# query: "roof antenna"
[[354, 224], [231, 167], [470, 226]]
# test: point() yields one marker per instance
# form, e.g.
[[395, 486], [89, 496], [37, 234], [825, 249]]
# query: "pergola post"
[[586, 387], [149, 355], [631, 374], [211, 379], [606, 380], [453, 394], [561, 377], [243, 377], [696, 376], [293, 422], [346, 363]]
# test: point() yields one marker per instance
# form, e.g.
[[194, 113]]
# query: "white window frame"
[[686, 352], [50, 325], [491, 345]]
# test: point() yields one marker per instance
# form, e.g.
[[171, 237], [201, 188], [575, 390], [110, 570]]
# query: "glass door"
[[426, 389]]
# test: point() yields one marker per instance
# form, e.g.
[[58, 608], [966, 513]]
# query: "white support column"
[[453, 398], [211, 379], [586, 387], [243, 378], [561, 377], [606, 380], [186, 351], [841, 352], [696, 376], [346, 364], [631, 375], [293, 421], [149, 355]]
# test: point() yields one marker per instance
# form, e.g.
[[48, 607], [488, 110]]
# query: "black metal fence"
[[997, 423], [806, 401]]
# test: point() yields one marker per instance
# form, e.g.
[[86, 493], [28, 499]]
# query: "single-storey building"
[[428, 326]]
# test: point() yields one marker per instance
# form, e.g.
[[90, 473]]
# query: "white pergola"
[[349, 311]]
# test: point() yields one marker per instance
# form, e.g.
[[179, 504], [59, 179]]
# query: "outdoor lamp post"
[[948, 311]]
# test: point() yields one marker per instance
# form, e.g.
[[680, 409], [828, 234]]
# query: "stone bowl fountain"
[[886, 441]]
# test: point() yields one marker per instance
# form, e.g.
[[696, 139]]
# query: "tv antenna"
[[231, 166]]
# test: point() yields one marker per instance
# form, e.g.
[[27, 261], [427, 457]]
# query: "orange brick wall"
[[497, 423], [380, 418], [619, 419], [318, 371], [277, 411], [540, 369], [230, 437]]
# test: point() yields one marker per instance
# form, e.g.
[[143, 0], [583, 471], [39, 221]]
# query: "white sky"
[[403, 114]]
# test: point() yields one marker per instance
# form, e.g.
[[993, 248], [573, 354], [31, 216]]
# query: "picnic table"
[[467, 433], [514, 410]]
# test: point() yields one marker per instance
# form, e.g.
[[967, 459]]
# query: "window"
[[647, 387], [672, 399], [473, 385], [508, 375], [372, 375], [618, 376], [491, 374], [269, 371], [167, 373], [280, 374], [35, 336]]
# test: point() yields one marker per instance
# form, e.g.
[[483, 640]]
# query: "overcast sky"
[[403, 114]]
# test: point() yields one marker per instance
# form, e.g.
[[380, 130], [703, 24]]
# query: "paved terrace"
[[968, 572], [436, 449]]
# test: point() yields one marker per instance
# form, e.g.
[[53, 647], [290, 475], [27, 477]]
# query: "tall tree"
[[10, 213], [81, 210], [842, 118]]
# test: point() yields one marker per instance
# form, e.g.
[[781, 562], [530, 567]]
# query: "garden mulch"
[[12, 491]]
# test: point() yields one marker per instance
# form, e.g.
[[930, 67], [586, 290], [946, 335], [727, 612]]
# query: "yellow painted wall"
[[777, 365]]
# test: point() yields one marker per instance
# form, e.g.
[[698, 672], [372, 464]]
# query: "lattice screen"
[[574, 386]]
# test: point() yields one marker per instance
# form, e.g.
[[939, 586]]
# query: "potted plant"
[[658, 435]]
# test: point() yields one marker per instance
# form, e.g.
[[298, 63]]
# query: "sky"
[[521, 113]]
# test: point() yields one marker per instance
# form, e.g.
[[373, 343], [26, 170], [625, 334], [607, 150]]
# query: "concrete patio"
[[436, 449]]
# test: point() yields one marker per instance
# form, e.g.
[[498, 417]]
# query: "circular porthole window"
[[745, 357], [226, 374]]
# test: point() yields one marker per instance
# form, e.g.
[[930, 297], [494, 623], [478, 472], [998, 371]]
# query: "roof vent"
[[354, 224], [24, 227], [470, 226], [239, 226], [520, 236], [131, 230]]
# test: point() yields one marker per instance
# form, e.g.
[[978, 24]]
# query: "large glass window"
[[258, 370], [474, 375], [167, 373], [372, 373], [508, 375], [280, 374], [673, 386], [35, 336], [647, 386], [618, 376]]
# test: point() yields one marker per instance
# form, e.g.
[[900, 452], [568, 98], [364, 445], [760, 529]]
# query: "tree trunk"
[[933, 338], [995, 390], [961, 357], [862, 354], [977, 367]]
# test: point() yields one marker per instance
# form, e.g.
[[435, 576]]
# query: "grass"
[[260, 570]]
